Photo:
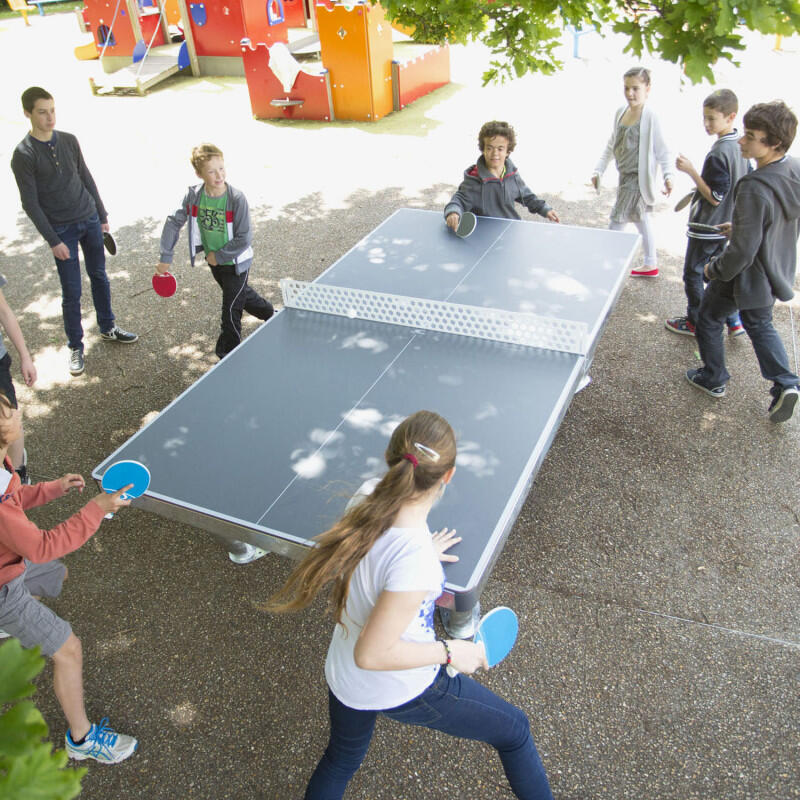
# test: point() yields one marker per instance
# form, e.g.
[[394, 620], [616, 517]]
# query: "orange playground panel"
[[356, 48]]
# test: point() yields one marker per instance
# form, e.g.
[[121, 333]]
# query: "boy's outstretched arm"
[[534, 204], [9, 322], [466, 198], [22, 536]]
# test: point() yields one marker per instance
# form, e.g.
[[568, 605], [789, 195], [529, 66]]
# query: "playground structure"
[[302, 59]]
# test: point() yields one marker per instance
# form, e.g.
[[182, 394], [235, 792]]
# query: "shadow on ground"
[[655, 582]]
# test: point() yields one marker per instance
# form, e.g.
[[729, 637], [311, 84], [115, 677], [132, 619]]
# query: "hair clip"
[[432, 454]]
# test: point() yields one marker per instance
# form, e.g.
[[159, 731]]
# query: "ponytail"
[[421, 450]]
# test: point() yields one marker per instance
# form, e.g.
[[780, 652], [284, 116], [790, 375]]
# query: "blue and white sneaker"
[[102, 744]]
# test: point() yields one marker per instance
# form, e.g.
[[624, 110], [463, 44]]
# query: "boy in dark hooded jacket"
[[492, 186], [759, 263]]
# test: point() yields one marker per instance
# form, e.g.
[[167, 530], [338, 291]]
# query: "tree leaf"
[[17, 668], [40, 775], [21, 729]]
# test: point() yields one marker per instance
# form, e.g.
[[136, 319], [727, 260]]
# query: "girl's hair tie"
[[412, 459]]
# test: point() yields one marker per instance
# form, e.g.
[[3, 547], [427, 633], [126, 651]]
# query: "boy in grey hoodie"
[[759, 263], [492, 186], [219, 227]]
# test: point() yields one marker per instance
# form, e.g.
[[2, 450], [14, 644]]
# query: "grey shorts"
[[24, 617]]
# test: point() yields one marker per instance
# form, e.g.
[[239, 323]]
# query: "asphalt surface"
[[654, 564]]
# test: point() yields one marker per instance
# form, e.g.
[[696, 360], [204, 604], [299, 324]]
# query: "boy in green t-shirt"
[[219, 226]]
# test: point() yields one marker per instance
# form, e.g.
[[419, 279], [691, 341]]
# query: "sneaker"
[[76, 365], [680, 325], [645, 272], [782, 407], [102, 744], [116, 334], [695, 377], [251, 553], [736, 330], [4, 635]]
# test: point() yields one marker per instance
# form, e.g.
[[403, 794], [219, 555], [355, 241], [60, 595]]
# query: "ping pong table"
[[300, 413]]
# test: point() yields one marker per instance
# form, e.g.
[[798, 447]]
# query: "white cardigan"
[[653, 153]]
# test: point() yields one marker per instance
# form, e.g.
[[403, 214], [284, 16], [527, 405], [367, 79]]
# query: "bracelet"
[[448, 651]]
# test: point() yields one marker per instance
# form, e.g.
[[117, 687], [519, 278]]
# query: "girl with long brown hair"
[[384, 569]]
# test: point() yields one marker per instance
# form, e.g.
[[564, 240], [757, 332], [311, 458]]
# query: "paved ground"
[[654, 564]]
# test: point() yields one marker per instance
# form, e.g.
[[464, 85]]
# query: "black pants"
[[237, 297], [698, 253]]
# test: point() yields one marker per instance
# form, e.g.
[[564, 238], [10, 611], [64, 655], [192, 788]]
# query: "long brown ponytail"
[[421, 450]]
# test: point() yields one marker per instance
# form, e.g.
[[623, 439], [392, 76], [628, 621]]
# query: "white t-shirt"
[[401, 560]]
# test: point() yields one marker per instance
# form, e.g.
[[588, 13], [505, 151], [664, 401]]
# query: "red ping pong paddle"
[[165, 284]]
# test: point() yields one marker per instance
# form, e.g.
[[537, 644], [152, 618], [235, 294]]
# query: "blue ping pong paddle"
[[466, 224], [124, 473], [497, 631]]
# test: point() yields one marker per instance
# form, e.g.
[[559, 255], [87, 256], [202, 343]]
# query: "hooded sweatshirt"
[[486, 195], [21, 539], [761, 256], [238, 250]]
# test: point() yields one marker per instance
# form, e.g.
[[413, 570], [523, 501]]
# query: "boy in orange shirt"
[[28, 569]]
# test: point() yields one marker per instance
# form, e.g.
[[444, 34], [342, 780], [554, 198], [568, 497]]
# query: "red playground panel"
[[417, 77], [308, 98], [217, 27]]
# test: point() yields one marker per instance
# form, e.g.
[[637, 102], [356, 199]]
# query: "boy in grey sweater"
[[759, 263], [60, 196]]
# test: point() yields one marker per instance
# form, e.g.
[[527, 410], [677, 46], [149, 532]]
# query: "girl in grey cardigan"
[[638, 146]]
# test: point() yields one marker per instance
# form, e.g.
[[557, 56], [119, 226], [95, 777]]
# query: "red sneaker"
[[645, 272]]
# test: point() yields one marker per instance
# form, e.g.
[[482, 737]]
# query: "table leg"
[[461, 624]]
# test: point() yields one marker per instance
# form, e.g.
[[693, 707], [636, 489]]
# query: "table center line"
[[332, 433]]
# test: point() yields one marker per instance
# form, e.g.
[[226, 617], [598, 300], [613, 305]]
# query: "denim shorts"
[[24, 617]]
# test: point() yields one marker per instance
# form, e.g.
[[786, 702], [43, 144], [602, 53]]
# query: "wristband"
[[448, 651]]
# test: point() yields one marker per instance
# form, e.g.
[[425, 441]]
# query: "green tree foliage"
[[29, 769], [523, 35]]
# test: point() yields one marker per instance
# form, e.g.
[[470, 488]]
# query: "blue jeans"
[[458, 706], [89, 234], [718, 302], [698, 253]]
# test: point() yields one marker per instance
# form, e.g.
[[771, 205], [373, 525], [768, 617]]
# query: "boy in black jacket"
[[759, 264]]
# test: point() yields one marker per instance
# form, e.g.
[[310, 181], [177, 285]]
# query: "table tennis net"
[[530, 330]]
